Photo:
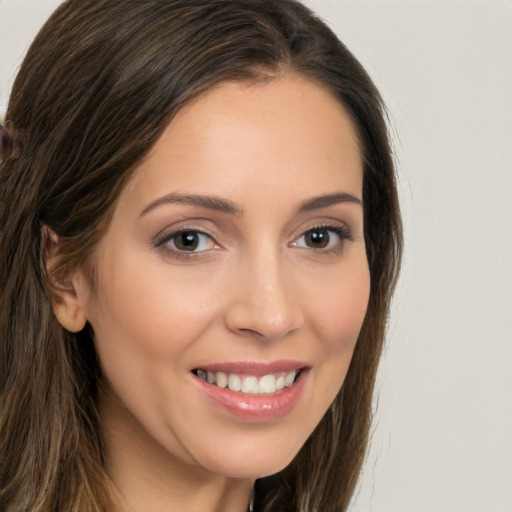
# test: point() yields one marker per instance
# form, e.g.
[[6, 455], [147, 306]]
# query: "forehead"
[[288, 133]]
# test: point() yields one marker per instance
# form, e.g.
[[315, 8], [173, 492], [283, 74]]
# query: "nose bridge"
[[265, 303]]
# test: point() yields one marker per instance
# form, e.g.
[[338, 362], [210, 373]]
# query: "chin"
[[254, 463]]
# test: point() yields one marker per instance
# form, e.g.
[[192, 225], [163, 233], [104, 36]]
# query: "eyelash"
[[165, 239], [338, 230]]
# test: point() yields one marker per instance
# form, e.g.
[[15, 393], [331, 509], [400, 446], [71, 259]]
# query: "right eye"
[[188, 241]]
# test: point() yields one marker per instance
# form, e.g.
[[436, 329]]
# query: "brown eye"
[[317, 238], [323, 238], [189, 241]]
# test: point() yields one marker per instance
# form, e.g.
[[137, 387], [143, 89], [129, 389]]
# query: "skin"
[[254, 290]]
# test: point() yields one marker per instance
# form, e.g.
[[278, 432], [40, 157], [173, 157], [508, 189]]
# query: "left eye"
[[321, 239], [189, 241]]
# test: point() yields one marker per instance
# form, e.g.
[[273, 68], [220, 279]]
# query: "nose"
[[265, 303]]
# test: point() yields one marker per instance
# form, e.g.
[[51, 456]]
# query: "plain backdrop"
[[442, 438]]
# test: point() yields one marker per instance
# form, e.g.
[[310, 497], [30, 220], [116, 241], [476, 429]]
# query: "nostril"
[[251, 332]]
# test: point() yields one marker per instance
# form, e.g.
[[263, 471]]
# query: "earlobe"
[[69, 313], [67, 292]]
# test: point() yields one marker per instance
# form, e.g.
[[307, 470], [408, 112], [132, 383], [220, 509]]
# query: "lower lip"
[[256, 408]]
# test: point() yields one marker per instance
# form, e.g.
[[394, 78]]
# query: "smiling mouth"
[[250, 384]]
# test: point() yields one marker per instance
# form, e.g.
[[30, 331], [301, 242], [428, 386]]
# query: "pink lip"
[[255, 408]]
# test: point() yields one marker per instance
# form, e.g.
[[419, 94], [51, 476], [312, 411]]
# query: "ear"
[[68, 291]]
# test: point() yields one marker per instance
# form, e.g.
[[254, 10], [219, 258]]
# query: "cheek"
[[336, 320], [152, 312], [339, 310], [145, 331]]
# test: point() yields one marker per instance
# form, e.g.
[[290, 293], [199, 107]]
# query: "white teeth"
[[249, 384], [267, 384], [222, 380], [234, 383], [289, 378]]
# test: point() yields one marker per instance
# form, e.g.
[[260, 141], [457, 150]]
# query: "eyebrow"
[[226, 206], [324, 201], [210, 202]]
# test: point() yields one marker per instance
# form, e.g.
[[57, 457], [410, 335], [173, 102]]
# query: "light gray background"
[[443, 432]]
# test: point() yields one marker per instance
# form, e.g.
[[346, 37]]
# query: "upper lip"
[[256, 368]]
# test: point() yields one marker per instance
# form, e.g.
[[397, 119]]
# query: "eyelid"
[[338, 228], [162, 239], [327, 224]]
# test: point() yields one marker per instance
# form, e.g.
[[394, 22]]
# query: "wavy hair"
[[97, 88]]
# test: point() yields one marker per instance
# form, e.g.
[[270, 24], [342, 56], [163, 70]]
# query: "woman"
[[200, 238]]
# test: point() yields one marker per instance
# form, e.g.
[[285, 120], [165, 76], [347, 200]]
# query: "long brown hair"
[[98, 86]]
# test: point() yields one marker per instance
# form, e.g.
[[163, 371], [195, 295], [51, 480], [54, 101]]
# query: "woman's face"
[[235, 258]]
